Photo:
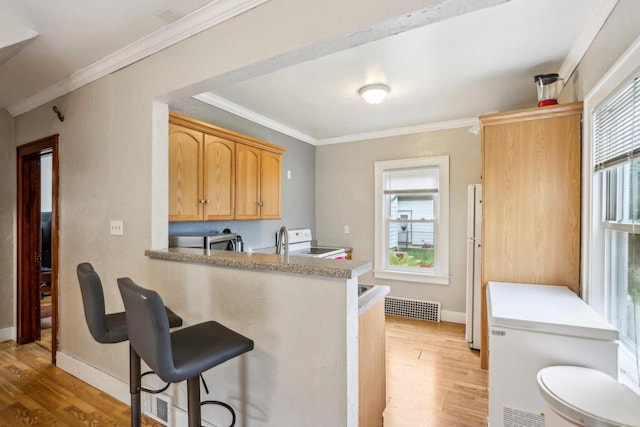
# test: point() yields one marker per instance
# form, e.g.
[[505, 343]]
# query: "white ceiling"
[[78, 41], [448, 71], [443, 72]]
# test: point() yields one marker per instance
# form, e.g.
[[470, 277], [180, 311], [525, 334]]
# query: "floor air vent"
[[416, 309]]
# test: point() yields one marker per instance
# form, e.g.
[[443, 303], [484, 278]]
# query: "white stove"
[[300, 244]]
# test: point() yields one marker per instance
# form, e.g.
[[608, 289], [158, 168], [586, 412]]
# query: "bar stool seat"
[[200, 347], [112, 329], [183, 354]]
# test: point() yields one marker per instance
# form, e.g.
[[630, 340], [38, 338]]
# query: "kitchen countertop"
[[339, 269]]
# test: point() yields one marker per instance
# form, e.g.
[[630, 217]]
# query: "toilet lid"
[[589, 396]]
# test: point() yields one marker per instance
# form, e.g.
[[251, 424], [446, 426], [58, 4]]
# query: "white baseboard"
[[453, 316], [8, 334], [101, 380]]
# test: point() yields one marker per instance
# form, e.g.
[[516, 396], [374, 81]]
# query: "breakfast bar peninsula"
[[302, 314]]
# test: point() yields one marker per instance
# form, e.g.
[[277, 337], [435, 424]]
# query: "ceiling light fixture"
[[374, 93]]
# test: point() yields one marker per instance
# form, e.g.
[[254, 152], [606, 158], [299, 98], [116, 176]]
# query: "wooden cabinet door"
[[219, 178], [372, 384], [531, 204], [185, 173], [247, 182], [531, 199], [270, 185]]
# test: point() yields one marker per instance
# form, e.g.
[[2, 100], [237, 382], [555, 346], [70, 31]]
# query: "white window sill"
[[434, 279]]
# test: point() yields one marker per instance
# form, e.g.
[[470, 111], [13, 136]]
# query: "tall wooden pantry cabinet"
[[531, 199]]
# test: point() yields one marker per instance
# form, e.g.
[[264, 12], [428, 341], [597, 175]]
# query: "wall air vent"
[[416, 309]]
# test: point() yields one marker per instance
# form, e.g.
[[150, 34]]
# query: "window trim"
[[593, 233], [442, 224], [620, 73]]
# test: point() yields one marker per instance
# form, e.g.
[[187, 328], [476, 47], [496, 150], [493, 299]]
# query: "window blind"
[[617, 127]]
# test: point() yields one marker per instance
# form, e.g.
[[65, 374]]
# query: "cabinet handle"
[[202, 201], [207, 201], [260, 204]]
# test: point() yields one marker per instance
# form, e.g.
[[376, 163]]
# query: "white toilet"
[[576, 396]]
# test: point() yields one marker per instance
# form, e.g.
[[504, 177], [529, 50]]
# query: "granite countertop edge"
[[338, 269]]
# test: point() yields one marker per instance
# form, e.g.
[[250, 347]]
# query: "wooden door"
[[219, 178], [29, 229], [531, 199], [270, 185], [29, 248], [185, 174], [247, 182]]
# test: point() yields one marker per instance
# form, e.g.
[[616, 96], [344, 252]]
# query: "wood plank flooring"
[[433, 380], [34, 392]]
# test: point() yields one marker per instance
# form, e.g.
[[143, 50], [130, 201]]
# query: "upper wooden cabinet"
[[217, 174], [531, 199], [248, 182], [270, 185], [185, 173], [258, 183]]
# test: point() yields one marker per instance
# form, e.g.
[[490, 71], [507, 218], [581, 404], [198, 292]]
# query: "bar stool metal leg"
[[134, 387], [193, 397]]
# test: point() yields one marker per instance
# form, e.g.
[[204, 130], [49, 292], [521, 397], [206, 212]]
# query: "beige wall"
[[620, 30], [7, 219], [344, 196]]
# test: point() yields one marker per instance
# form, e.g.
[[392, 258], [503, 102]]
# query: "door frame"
[[27, 268]]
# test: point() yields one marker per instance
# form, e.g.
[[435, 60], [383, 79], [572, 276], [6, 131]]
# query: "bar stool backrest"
[[148, 327], [93, 301]]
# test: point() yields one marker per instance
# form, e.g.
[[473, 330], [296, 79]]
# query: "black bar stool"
[[181, 355], [112, 328]]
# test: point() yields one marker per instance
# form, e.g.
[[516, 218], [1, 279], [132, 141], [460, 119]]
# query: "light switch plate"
[[117, 228]]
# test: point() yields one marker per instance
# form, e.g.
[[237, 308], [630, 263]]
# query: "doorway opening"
[[37, 242]]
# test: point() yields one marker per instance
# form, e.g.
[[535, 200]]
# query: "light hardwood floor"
[[33, 392], [433, 380]]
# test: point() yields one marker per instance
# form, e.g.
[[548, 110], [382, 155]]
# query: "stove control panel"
[[299, 235]]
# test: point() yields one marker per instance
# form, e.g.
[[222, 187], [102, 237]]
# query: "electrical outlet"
[[346, 229], [117, 228]]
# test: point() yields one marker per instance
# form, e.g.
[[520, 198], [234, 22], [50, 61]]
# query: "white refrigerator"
[[532, 327], [474, 264]]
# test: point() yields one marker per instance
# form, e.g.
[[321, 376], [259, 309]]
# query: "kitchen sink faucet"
[[282, 244]]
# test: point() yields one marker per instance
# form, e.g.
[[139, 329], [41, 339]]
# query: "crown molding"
[[582, 44], [407, 130], [197, 21], [224, 104], [251, 115]]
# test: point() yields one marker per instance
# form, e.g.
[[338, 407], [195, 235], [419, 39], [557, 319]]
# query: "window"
[[616, 217], [412, 220]]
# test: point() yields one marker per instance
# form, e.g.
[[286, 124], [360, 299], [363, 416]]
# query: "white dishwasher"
[[532, 327]]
